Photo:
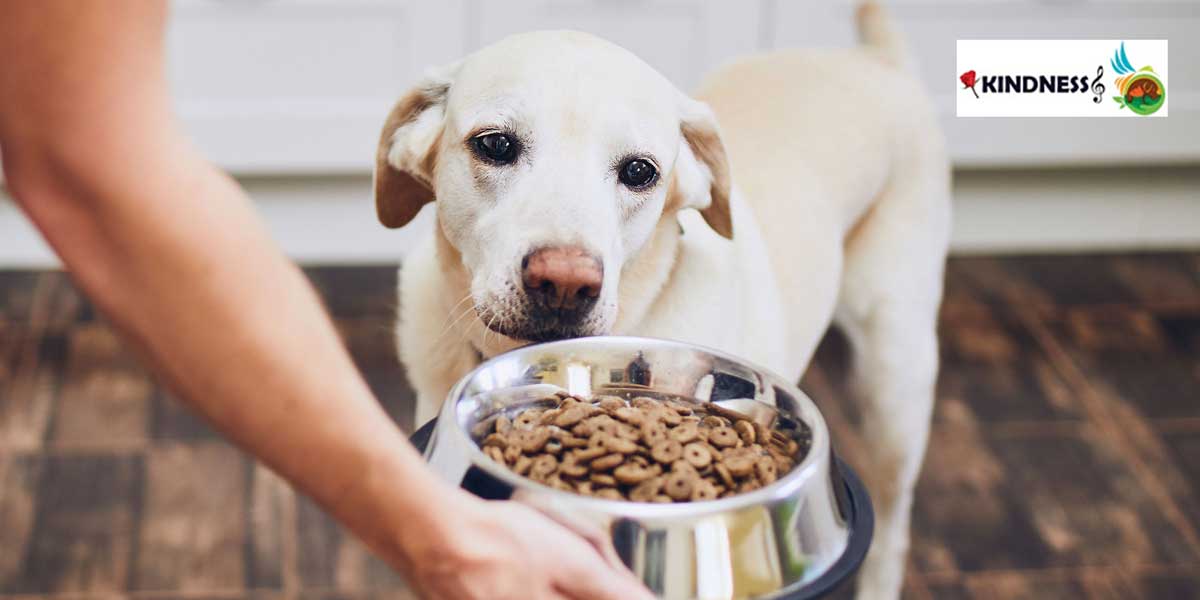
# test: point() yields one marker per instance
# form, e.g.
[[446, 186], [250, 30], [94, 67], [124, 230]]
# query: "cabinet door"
[[933, 26], [300, 85], [683, 39]]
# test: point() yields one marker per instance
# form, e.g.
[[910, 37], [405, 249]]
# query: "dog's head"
[[552, 156]]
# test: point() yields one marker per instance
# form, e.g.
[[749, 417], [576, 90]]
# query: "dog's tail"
[[877, 33]]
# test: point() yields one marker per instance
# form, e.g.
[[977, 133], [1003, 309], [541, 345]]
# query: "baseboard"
[[1077, 210], [317, 220], [331, 220]]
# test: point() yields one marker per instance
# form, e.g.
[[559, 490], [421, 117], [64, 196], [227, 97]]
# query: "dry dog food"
[[643, 449]]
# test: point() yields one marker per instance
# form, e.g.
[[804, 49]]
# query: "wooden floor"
[[1064, 463]]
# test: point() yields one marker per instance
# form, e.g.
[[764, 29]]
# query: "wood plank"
[[19, 477], [992, 371], [17, 295], [45, 298], [1084, 584], [1160, 279], [1070, 279], [193, 525], [390, 387], [331, 557], [370, 340], [63, 304], [105, 398], [380, 575], [1183, 473], [231, 594], [1148, 363], [319, 542], [84, 526], [372, 344], [963, 516], [1036, 501], [171, 420], [29, 370], [994, 282], [1127, 432], [949, 591], [269, 500], [1139, 367], [357, 292], [374, 594], [1163, 585]]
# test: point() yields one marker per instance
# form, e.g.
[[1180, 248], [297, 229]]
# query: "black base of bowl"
[[856, 508]]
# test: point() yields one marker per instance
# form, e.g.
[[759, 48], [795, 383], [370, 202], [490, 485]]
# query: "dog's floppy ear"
[[407, 151], [703, 168]]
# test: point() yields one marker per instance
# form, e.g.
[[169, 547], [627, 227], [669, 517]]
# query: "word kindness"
[[1029, 84]]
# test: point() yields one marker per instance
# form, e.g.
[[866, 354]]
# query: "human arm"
[[170, 249]]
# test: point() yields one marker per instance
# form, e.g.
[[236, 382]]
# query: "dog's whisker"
[[455, 322], [489, 330], [454, 308]]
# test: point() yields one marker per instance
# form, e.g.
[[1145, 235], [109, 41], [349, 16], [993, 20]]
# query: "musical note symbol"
[[1097, 87]]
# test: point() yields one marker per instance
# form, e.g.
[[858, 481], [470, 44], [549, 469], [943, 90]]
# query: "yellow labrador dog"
[[578, 192]]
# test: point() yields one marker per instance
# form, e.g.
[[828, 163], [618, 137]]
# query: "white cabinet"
[[300, 86], [683, 39]]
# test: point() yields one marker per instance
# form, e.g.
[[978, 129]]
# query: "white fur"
[[840, 212]]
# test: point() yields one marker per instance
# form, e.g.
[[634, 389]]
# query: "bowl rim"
[[814, 465]]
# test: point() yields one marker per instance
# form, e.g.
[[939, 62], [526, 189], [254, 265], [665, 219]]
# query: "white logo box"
[[1054, 58]]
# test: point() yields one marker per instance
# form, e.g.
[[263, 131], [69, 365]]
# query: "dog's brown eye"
[[496, 147], [637, 173]]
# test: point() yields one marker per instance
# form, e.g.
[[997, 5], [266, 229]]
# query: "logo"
[[968, 80], [1061, 78], [1141, 90]]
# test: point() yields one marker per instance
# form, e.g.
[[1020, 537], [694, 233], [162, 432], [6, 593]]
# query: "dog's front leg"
[[429, 401], [888, 307], [434, 353], [895, 368], [433, 367]]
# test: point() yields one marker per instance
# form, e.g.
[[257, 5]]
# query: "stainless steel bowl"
[[795, 538]]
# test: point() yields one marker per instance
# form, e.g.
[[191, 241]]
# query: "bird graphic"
[[1141, 89]]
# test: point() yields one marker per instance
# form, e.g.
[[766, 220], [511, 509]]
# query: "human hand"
[[507, 550]]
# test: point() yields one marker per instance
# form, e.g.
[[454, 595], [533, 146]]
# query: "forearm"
[[174, 255], [172, 252]]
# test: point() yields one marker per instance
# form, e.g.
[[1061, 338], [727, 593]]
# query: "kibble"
[[666, 451], [643, 450], [697, 455]]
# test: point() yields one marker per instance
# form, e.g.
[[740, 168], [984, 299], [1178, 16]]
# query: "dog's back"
[[815, 138], [837, 121]]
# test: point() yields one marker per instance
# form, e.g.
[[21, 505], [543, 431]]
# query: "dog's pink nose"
[[562, 277]]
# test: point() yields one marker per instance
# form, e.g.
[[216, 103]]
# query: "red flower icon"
[[968, 80]]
